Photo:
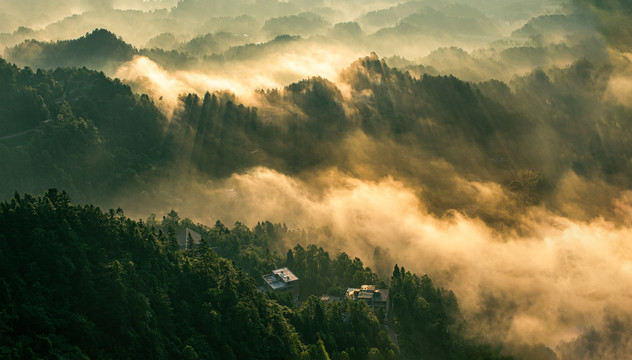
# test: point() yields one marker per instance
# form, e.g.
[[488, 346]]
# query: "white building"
[[282, 280]]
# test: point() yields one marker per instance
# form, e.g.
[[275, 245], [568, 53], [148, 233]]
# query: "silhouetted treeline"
[[104, 51], [97, 50], [429, 323], [528, 139]]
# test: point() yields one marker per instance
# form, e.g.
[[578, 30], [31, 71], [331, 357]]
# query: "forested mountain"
[[98, 50], [99, 285], [94, 284], [103, 50], [76, 129], [120, 139], [483, 143]]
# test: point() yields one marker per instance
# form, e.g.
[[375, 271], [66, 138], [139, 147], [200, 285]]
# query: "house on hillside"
[[375, 298], [187, 238], [282, 281]]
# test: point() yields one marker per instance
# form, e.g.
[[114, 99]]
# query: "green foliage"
[[428, 321], [342, 329], [82, 283], [443, 123], [254, 251], [221, 133], [320, 274], [210, 44], [75, 129], [22, 106], [170, 59], [97, 50]]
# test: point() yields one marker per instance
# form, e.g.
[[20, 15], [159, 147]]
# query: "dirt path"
[[391, 334]]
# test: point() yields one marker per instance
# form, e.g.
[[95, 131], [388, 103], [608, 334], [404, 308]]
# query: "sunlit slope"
[[375, 121]]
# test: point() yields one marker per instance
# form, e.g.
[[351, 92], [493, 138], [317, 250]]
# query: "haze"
[[485, 143]]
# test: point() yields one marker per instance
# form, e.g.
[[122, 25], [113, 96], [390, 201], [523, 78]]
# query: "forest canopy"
[[96, 284]]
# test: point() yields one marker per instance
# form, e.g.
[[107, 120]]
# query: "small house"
[[375, 298], [282, 281]]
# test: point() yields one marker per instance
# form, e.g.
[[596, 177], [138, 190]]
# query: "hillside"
[[526, 140], [99, 285], [99, 49], [482, 144], [76, 129]]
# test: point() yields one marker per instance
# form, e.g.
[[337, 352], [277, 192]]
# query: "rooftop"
[[368, 293], [285, 274], [274, 282], [280, 278]]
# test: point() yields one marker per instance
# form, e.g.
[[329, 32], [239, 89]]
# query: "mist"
[[415, 30], [549, 287], [485, 143]]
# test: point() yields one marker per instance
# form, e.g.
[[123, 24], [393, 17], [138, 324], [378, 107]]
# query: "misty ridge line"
[[349, 34], [524, 314], [266, 16], [520, 318], [514, 193]]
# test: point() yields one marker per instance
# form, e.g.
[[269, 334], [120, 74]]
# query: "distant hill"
[[103, 51], [100, 49], [76, 129]]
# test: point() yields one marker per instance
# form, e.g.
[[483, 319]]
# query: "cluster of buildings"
[[284, 281]]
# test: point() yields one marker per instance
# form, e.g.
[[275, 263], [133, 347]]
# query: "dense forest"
[[103, 50], [121, 141], [470, 158], [76, 129], [78, 282]]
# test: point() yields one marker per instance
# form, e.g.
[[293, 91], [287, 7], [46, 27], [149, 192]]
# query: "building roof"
[[285, 274], [368, 293], [280, 278], [274, 282], [329, 298], [183, 238]]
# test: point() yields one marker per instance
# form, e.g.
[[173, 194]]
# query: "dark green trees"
[[428, 321], [345, 329], [81, 283], [78, 130], [99, 49]]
